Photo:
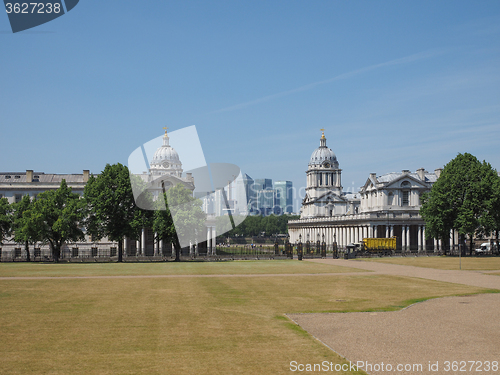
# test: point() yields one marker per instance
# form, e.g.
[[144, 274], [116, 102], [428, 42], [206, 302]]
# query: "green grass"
[[444, 262], [168, 268], [188, 325]]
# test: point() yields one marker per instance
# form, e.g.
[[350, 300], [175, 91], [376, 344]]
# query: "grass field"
[[167, 268], [188, 325], [445, 262]]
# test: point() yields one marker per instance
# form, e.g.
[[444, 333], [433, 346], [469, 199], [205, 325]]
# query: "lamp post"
[[334, 246], [318, 244], [323, 247], [299, 248]]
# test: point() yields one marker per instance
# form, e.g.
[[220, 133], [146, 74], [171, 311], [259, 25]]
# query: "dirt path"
[[473, 278], [425, 338]]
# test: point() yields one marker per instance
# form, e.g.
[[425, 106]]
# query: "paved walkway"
[[473, 278], [421, 338]]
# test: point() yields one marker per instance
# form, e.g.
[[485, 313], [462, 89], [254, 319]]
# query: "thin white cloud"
[[403, 60]]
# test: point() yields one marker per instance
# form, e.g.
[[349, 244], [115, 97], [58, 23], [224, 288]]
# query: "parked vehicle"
[[483, 249], [381, 246]]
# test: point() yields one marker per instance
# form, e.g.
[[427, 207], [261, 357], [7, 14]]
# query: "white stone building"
[[386, 206], [165, 172]]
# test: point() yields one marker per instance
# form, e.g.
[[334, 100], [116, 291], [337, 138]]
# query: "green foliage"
[[111, 208], [255, 225], [5, 218], [463, 198], [55, 217], [183, 209]]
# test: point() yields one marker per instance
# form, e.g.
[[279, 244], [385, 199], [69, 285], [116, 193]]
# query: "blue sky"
[[397, 85]]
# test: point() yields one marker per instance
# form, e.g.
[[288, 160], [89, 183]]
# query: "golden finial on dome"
[[165, 128], [322, 133]]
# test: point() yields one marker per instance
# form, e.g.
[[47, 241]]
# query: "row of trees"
[[465, 198], [256, 225], [107, 209]]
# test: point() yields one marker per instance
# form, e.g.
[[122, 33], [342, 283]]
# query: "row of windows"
[[17, 176], [405, 197]]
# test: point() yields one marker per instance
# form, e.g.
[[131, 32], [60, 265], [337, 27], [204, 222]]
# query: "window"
[[18, 198], [390, 198], [406, 198], [74, 252], [405, 184]]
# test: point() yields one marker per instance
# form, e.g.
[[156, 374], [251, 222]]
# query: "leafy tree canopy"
[[5, 218], [55, 217], [182, 221], [111, 208], [460, 199]]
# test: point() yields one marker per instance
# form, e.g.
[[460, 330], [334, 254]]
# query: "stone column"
[[137, 247], [424, 244], [419, 236], [143, 242], [392, 231], [156, 245], [387, 231], [403, 237], [125, 246], [214, 241], [408, 237], [209, 241]]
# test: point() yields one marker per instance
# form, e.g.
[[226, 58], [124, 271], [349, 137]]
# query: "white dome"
[[323, 154], [166, 153], [166, 160]]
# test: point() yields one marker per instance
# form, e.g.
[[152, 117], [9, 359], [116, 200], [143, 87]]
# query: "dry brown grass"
[[445, 262], [214, 325], [168, 268]]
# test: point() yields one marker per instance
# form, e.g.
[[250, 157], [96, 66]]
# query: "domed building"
[[386, 206], [166, 160], [165, 170], [324, 195]]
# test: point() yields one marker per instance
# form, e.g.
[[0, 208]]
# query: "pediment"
[[369, 185], [330, 198], [413, 183]]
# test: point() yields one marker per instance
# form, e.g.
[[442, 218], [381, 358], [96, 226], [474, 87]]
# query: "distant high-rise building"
[[248, 196], [284, 197]]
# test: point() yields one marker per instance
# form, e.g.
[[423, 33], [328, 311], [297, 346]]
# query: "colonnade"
[[143, 244], [410, 236]]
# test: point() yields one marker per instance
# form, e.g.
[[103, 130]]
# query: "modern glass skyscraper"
[[284, 196]]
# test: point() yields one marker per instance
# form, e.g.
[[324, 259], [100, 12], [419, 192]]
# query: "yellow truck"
[[382, 246]]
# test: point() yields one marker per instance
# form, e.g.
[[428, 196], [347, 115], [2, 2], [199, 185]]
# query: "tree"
[[55, 217], [5, 218], [491, 222], [23, 232], [111, 208], [459, 199], [178, 218]]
